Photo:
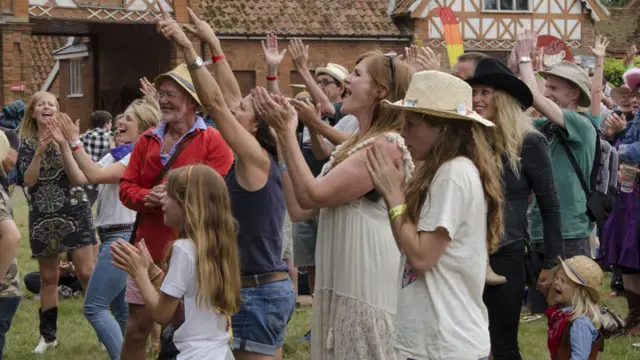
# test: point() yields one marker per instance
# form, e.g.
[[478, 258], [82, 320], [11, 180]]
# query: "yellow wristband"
[[397, 211]]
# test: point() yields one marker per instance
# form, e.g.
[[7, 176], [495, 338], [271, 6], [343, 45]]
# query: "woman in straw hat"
[[574, 315], [444, 219], [257, 201], [499, 96], [356, 258], [60, 217]]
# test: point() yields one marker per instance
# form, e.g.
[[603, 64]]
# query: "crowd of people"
[[421, 202]]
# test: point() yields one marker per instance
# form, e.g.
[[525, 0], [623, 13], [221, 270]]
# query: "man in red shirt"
[[152, 152]]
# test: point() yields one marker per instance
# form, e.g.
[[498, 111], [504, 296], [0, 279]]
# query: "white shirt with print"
[[203, 335], [441, 314]]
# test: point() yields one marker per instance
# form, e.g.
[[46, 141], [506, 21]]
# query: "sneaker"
[[305, 338], [43, 346]]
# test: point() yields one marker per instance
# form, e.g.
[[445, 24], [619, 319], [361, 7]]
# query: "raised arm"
[[224, 75], [243, 143], [312, 120], [346, 182], [525, 47], [300, 54], [598, 75], [272, 58]]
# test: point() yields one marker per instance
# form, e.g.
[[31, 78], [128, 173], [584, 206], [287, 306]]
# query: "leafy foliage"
[[614, 69]]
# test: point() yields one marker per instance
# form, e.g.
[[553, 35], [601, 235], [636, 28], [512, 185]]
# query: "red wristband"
[[216, 58], [73, 149], [272, 78]]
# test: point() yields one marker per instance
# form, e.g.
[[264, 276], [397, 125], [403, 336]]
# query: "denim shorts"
[[259, 327], [304, 242]]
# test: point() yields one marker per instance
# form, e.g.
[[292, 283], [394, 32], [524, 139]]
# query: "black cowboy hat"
[[491, 72]]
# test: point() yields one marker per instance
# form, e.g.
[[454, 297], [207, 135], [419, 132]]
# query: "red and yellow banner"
[[452, 36]]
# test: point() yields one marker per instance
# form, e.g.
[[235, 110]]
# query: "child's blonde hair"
[[204, 199], [582, 303]]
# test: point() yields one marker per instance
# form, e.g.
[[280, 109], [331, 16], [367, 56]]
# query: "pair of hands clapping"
[[61, 131]]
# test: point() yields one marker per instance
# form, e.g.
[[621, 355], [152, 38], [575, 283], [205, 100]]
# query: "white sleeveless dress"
[[357, 262]]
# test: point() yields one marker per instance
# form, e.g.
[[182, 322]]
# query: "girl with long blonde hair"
[[203, 265], [60, 217], [501, 97], [353, 309], [443, 220], [106, 288], [574, 316]]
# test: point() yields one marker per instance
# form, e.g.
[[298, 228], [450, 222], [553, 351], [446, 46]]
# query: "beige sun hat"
[[574, 74], [336, 71], [181, 76], [585, 272], [441, 95], [618, 93]]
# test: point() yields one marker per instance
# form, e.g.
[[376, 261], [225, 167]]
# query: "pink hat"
[[632, 78]]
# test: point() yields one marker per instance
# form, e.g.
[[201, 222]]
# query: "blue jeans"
[[107, 287], [259, 327], [8, 308]]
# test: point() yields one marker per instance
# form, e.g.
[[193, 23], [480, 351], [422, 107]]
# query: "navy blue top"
[[260, 216]]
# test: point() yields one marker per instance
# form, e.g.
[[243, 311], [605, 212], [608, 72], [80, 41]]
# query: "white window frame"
[[76, 67], [498, 10]]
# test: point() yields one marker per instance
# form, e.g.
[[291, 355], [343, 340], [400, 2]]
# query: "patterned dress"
[[357, 262], [60, 218]]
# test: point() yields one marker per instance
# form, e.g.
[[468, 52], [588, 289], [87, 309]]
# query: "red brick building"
[[92, 53]]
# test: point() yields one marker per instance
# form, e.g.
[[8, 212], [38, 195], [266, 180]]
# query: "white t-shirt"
[[110, 208], [203, 335], [348, 124], [441, 314]]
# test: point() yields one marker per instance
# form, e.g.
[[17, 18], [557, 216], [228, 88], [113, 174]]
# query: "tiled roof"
[[42, 61], [301, 17], [403, 6]]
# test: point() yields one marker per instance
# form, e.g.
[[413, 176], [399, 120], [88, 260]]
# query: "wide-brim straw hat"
[[336, 71], [181, 76], [574, 74], [584, 272], [493, 73], [440, 95]]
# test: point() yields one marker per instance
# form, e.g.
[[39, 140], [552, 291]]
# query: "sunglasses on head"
[[392, 56]]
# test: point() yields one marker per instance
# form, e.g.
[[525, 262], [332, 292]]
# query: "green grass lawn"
[[77, 340]]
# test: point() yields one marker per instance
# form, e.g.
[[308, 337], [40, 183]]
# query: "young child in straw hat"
[[573, 315]]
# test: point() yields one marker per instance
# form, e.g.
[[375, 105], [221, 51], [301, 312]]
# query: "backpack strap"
[[564, 141]]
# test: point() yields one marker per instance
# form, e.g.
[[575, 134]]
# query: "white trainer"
[[43, 346]]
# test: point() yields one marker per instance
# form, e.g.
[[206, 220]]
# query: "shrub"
[[614, 69]]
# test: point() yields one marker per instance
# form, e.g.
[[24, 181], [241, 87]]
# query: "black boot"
[[633, 318], [49, 324]]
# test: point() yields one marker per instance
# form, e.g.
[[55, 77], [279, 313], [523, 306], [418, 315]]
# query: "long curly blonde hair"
[[470, 140], [382, 119], [512, 126]]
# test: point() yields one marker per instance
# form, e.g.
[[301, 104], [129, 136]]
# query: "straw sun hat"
[[336, 71], [585, 272], [181, 76], [441, 95]]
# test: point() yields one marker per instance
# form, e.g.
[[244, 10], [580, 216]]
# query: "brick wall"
[[246, 55], [15, 62], [77, 107], [621, 29]]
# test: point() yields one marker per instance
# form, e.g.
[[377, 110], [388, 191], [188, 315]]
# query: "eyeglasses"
[[168, 94], [391, 57], [325, 82]]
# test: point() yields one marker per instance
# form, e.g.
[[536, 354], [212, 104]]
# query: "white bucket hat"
[[441, 95], [336, 71]]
